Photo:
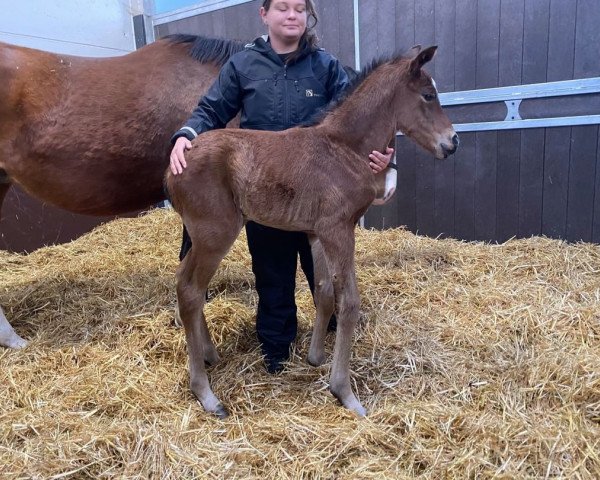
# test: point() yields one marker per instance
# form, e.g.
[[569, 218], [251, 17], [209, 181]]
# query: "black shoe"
[[275, 364]]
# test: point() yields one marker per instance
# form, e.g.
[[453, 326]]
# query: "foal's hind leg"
[[338, 245], [209, 247], [324, 303]]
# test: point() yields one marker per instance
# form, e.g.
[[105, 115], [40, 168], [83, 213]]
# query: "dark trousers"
[[274, 258]]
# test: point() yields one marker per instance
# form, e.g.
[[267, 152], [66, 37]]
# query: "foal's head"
[[419, 114]]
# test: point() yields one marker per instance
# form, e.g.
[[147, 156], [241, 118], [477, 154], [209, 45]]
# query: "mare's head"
[[419, 114]]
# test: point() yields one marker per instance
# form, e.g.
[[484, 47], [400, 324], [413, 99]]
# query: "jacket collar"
[[263, 46]]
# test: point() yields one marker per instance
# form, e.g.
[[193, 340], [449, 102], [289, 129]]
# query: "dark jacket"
[[270, 94]]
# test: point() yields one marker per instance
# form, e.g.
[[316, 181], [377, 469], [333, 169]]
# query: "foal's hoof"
[[211, 359], [316, 360], [351, 403], [221, 412]]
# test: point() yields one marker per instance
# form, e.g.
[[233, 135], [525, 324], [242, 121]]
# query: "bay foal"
[[313, 179]]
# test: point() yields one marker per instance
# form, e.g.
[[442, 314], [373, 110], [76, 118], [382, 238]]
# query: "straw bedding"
[[474, 361]]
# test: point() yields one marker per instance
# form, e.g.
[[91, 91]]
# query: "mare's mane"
[[219, 50], [208, 50], [355, 81]]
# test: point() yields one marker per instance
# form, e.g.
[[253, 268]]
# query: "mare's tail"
[[166, 191]]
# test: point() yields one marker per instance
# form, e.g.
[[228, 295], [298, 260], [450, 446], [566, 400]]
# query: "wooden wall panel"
[[405, 24], [486, 154], [499, 184], [464, 187], [561, 41], [582, 167], [531, 182], [535, 41], [556, 181], [507, 184], [510, 42], [587, 39], [596, 206]]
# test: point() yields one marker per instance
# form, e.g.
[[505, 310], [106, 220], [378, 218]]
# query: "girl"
[[278, 82]]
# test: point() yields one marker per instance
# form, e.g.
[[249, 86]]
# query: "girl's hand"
[[177, 159], [379, 161]]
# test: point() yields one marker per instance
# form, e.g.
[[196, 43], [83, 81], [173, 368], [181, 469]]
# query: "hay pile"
[[473, 360]]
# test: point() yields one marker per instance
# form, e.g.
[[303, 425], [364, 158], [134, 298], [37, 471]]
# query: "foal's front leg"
[[324, 303], [8, 337], [338, 245]]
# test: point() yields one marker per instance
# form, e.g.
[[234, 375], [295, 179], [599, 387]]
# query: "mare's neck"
[[366, 120]]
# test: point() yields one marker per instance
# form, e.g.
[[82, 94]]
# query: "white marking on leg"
[[8, 337]]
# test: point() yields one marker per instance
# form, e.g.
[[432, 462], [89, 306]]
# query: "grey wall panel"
[[444, 193], [425, 28], [386, 27], [488, 36], [531, 182], [445, 34], [561, 41], [587, 39], [486, 155], [405, 24], [535, 41], [507, 184], [582, 169], [556, 181], [499, 184], [464, 187], [596, 206], [510, 42]]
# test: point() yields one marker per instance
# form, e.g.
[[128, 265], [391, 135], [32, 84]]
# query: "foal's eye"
[[429, 97]]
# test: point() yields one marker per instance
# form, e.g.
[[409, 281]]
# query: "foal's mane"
[[355, 81], [204, 49]]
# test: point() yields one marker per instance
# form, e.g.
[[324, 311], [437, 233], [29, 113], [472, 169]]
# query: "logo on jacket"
[[310, 93]]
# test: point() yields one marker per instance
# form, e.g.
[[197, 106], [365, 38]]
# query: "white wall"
[[97, 28]]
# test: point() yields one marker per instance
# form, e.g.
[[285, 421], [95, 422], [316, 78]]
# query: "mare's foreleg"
[[324, 303], [338, 245], [8, 337], [211, 238]]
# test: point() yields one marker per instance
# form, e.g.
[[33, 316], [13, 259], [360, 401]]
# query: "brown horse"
[[314, 179], [92, 135]]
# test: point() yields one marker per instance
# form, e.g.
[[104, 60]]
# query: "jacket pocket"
[[308, 97], [259, 100]]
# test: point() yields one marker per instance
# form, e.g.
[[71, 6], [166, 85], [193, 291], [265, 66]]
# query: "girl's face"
[[285, 19]]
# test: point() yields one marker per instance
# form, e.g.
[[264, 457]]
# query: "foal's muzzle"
[[450, 150]]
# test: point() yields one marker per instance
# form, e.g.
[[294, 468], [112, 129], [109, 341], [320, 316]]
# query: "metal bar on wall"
[[530, 123], [535, 90]]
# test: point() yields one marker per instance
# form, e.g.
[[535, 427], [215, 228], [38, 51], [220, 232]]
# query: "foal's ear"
[[421, 59], [413, 52]]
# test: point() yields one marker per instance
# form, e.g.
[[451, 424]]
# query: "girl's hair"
[[309, 38]]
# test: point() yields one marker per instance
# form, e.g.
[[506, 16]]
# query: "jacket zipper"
[[286, 99]]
